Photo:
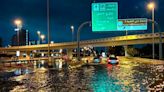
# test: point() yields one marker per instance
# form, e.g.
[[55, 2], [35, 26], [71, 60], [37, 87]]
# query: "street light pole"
[[72, 30], [151, 6], [39, 35], [18, 36], [160, 38], [78, 38], [160, 41], [153, 48], [48, 28]]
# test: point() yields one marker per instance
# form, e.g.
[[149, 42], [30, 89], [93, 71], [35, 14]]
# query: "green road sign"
[[132, 24], [104, 16]]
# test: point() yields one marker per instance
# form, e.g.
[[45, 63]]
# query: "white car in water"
[[112, 59]]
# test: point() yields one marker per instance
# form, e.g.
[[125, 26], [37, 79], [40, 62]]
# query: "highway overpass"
[[112, 41]]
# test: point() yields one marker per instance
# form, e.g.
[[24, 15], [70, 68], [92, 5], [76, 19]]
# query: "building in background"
[[0, 42], [14, 40], [23, 38]]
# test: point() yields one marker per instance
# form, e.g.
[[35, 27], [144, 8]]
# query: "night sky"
[[64, 13]]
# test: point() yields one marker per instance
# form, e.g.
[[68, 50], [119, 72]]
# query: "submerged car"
[[112, 59]]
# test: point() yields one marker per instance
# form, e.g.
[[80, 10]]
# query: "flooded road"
[[124, 77]]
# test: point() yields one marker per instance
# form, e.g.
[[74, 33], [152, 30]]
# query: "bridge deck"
[[112, 41]]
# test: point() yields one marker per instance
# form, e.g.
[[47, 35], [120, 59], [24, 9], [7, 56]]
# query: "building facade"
[[21, 38]]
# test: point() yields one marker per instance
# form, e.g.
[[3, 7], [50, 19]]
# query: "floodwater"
[[124, 77]]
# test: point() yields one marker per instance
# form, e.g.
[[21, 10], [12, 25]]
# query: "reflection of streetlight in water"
[[38, 80]]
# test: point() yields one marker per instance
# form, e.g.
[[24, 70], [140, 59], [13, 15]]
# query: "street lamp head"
[[18, 22], [38, 32], [42, 37], [72, 27], [151, 5]]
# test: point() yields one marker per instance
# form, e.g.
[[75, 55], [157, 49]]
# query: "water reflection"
[[22, 71], [125, 77]]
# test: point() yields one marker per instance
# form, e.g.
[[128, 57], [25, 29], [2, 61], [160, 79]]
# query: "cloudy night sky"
[[64, 13]]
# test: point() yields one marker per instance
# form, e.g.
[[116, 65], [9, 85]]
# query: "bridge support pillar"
[[70, 53], [28, 54], [20, 55], [126, 51]]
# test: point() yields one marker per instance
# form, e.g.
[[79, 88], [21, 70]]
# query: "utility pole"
[[48, 28]]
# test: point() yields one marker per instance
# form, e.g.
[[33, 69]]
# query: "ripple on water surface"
[[101, 78]]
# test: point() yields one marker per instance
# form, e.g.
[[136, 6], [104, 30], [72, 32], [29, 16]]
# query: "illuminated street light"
[[18, 23], [42, 37], [151, 6], [72, 27], [38, 32]]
